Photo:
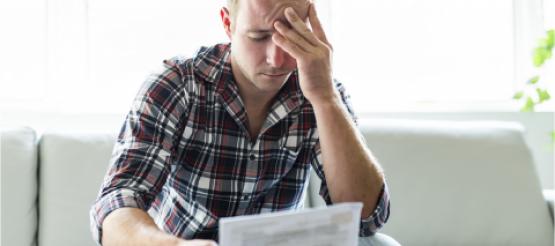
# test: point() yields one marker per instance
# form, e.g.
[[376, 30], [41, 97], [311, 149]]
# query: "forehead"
[[263, 13]]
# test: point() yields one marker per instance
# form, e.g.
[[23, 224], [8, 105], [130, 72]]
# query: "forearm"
[[352, 174], [133, 226]]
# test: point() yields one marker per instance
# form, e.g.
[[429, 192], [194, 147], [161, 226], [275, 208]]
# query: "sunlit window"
[[400, 55], [434, 51]]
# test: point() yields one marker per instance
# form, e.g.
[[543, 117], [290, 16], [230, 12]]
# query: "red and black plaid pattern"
[[184, 153]]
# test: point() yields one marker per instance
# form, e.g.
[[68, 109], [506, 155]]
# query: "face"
[[256, 60]]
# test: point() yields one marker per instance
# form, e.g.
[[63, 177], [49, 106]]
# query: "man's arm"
[[351, 172], [133, 226], [140, 165]]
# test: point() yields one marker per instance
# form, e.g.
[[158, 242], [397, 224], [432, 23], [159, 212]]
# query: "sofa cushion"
[[459, 183], [19, 186], [72, 169]]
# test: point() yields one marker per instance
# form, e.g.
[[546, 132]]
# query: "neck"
[[253, 97]]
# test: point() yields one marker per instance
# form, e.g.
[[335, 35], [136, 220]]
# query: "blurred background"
[[423, 76], [77, 64]]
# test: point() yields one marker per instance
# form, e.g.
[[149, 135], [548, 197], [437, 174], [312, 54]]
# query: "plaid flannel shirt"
[[184, 153]]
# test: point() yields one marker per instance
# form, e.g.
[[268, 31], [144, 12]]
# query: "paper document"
[[326, 226]]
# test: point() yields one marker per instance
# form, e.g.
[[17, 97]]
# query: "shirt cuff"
[[370, 225], [108, 203]]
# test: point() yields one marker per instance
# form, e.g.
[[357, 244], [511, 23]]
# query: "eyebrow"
[[266, 31]]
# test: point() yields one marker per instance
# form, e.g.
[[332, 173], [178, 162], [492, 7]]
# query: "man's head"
[[255, 58]]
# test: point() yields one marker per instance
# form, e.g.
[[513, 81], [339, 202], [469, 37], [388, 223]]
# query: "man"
[[235, 130]]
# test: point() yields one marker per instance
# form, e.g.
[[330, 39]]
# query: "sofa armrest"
[[549, 196], [18, 189]]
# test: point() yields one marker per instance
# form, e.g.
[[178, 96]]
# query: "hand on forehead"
[[266, 12]]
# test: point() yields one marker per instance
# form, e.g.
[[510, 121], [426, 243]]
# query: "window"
[[22, 51], [94, 55], [413, 54], [394, 55]]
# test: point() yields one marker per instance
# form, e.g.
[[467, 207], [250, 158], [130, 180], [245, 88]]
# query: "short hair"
[[232, 7]]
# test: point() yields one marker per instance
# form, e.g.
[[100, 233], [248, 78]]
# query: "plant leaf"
[[539, 56], [518, 95], [543, 95], [550, 39], [529, 106], [534, 80]]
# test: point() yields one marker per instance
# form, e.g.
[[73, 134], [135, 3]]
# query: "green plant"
[[542, 53]]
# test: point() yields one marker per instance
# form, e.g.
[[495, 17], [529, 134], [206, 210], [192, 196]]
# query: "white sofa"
[[451, 183]]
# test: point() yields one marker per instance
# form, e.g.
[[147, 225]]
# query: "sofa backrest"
[[18, 175], [72, 167], [460, 183], [451, 183]]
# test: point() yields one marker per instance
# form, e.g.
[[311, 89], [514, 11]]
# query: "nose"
[[275, 56]]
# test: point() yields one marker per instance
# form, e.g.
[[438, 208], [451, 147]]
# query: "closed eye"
[[260, 38]]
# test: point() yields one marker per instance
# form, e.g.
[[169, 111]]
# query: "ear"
[[226, 21]]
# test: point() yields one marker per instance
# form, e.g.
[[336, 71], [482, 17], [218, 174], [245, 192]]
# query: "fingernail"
[[290, 11]]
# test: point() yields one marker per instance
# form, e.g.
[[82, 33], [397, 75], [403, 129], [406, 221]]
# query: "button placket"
[[250, 183]]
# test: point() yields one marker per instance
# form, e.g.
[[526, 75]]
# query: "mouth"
[[275, 75]]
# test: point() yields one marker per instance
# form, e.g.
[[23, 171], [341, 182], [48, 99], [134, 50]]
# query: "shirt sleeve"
[[368, 226], [144, 149]]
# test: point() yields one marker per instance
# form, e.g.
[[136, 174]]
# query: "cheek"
[[291, 63], [256, 53], [244, 52]]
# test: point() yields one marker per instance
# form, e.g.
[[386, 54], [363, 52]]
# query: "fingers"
[[316, 24], [299, 25], [299, 40], [293, 36], [293, 49]]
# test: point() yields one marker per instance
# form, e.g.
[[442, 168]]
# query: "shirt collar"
[[213, 65], [211, 62]]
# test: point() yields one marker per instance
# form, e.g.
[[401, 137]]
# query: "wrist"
[[332, 100]]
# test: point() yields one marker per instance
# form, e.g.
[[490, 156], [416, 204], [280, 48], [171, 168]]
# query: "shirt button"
[[252, 157]]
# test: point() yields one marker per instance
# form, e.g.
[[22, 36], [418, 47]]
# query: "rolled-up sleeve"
[[144, 149], [368, 226]]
